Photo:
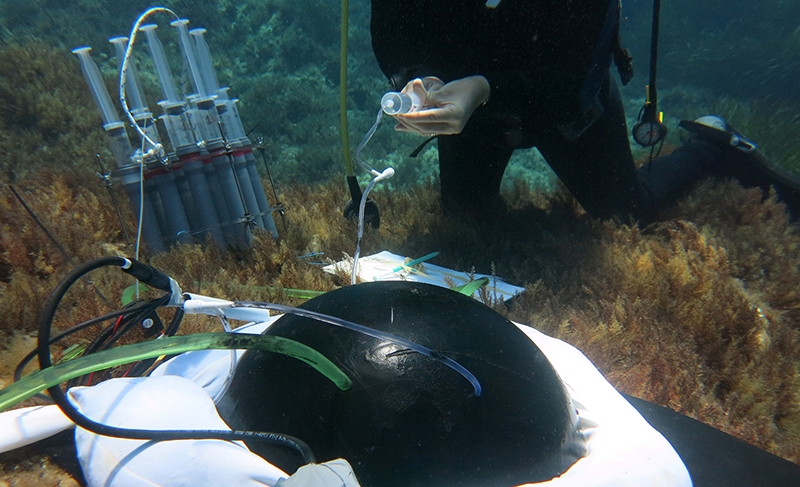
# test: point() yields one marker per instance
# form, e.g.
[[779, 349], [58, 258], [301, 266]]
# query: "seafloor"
[[699, 312]]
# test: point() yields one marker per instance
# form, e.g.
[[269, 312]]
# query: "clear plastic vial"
[[396, 103]]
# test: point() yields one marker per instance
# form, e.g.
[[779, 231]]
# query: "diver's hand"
[[446, 107]]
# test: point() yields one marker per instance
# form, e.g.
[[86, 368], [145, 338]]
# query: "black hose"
[[148, 275], [651, 110]]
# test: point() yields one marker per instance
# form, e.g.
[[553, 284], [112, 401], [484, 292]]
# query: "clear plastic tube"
[[363, 144], [189, 54], [204, 60], [162, 66], [133, 88], [95, 80], [362, 206], [226, 326], [156, 151], [380, 335], [379, 176]]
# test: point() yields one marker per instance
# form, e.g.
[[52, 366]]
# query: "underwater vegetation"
[[694, 313], [737, 59], [745, 49], [700, 312], [44, 120]]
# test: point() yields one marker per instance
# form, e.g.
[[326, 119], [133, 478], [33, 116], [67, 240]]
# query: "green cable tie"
[[51, 376], [414, 262], [469, 288]]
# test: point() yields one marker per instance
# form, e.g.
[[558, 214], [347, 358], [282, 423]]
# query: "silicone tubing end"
[[386, 174]]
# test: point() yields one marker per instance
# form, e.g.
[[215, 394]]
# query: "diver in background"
[[501, 75]]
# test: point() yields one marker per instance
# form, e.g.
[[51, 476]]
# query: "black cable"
[[60, 336], [114, 331], [50, 306], [172, 329], [416, 151], [139, 368], [150, 276], [649, 118], [136, 371], [134, 320], [658, 152], [641, 111], [98, 343]]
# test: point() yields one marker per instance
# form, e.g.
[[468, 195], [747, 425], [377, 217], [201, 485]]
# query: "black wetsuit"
[[537, 56]]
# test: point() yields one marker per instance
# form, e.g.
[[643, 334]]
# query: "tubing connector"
[[386, 174], [197, 304]]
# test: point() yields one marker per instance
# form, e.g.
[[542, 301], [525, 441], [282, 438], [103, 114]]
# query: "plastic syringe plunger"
[[396, 103], [204, 58], [95, 81], [160, 60], [188, 49], [133, 89]]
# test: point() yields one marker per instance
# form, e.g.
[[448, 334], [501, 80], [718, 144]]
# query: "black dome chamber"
[[409, 419]]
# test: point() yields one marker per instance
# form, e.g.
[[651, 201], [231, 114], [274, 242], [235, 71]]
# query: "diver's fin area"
[[714, 458]]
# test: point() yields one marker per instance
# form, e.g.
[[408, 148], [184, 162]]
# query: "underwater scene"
[[696, 309]]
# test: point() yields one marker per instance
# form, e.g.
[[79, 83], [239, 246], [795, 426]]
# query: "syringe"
[[162, 67], [175, 118], [115, 129], [226, 107], [191, 58], [133, 90], [205, 118], [92, 75]]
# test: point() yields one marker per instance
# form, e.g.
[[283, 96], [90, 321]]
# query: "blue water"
[[281, 59], [739, 59]]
